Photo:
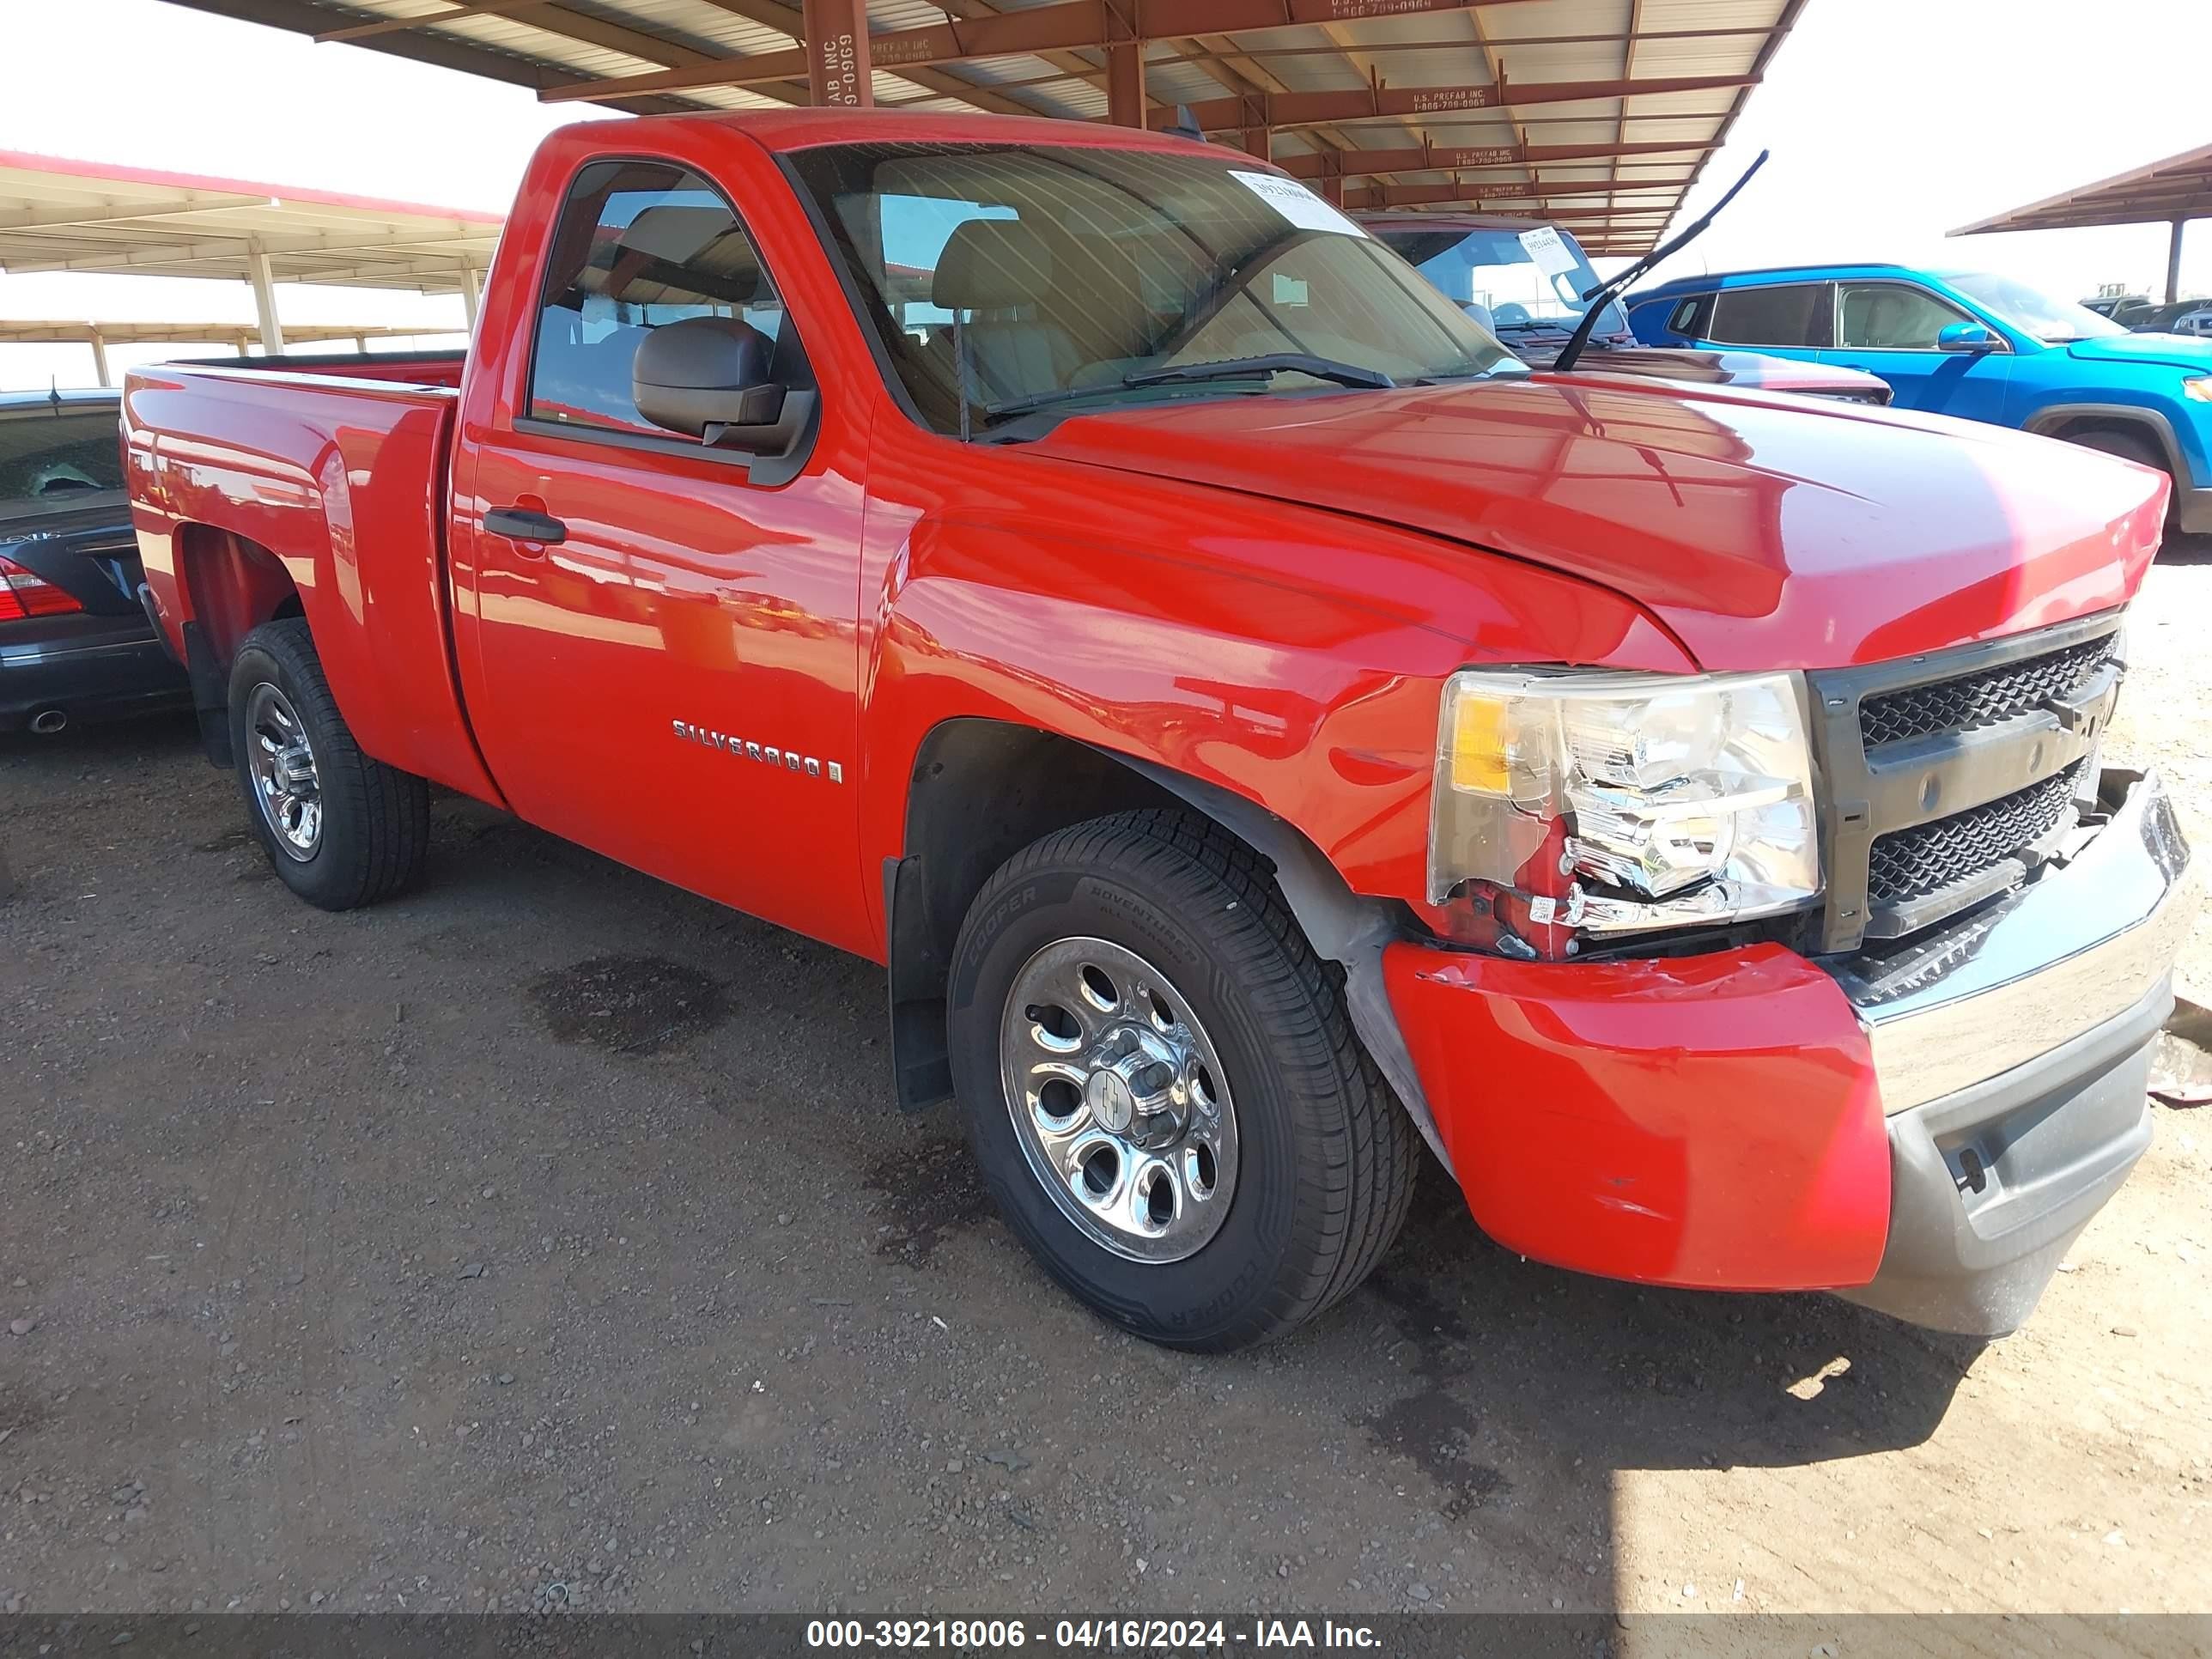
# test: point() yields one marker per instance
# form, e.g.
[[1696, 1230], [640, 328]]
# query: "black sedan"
[[76, 642]]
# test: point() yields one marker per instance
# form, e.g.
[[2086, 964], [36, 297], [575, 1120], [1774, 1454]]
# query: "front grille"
[[1983, 699], [1906, 864]]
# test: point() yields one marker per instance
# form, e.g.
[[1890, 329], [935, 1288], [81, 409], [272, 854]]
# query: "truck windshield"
[[1527, 279], [1005, 282]]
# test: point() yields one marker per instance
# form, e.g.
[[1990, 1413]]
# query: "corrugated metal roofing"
[[1516, 48], [59, 214], [2173, 190]]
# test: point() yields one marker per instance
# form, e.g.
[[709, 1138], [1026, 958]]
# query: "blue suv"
[[1982, 347]]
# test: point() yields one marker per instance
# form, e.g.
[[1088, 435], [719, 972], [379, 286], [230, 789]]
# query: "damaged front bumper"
[[2012, 1051], [1925, 1131]]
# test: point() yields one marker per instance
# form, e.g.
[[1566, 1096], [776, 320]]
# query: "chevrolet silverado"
[[1262, 726]]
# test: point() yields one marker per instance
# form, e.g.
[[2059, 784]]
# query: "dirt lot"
[[547, 1239]]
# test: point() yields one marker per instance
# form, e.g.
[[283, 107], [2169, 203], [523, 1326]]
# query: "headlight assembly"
[[1621, 802]]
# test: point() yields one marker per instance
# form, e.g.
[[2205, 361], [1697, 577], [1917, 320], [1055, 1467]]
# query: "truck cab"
[[1268, 735]]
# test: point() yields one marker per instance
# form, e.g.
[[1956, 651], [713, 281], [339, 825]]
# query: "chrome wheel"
[[1119, 1100], [281, 762]]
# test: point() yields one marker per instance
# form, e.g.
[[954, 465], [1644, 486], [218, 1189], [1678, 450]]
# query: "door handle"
[[521, 524]]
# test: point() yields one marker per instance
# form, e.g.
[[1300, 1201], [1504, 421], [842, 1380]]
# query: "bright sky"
[[1890, 121]]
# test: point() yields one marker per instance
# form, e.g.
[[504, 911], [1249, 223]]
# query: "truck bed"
[[249, 475], [441, 368]]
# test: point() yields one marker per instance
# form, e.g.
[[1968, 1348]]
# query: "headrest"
[[990, 263], [674, 233]]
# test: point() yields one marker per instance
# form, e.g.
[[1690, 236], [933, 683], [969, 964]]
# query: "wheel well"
[[2075, 428], [984, 789], [980, 791], [232, 586]]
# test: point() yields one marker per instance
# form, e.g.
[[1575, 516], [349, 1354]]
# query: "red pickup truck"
[[1262, 726]]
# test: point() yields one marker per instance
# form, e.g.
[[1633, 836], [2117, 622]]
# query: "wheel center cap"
[[1112, 1106]]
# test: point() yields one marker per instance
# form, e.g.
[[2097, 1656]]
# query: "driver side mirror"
[[1965, 336], [708, 378]]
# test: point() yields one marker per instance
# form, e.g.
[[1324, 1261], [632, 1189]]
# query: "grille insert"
[[1906, 864], [1984, 699]]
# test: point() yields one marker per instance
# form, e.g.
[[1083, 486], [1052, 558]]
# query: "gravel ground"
[[546, 1240]]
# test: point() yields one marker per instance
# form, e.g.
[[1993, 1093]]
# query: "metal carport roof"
[[1510, 104], [95, 217], [2172, 192], [238, 336]]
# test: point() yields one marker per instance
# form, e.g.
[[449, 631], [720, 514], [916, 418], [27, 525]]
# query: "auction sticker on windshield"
[[1552, 255], [1296, 203]]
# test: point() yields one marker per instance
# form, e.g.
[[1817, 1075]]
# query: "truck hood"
[[1765, 533], [2169, 350]]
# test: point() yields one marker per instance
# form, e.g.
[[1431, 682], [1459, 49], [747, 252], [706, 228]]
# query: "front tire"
[[1161, 1085], [340, 830]]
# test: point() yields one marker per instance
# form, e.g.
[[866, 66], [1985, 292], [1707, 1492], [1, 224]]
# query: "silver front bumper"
[[2080, 947]]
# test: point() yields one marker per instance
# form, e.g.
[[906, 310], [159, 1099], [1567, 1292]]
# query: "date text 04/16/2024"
[[1088, 1635]]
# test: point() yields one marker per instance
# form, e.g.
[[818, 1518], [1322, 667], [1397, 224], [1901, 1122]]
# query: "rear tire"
[[1150, 945], [340, 830]]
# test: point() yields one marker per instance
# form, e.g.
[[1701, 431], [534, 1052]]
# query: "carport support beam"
[[100, 358], [1123, 38], [2173, 263], [839, 72], [471, 295], [264, 303]]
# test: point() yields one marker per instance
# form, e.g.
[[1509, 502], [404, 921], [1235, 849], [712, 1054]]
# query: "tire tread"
[[390, 808], [1356, 1190]]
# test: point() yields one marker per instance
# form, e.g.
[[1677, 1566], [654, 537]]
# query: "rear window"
[[1689, 317], [1789, 314], [50, 458]]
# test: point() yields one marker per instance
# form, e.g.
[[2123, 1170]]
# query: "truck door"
[[661, 660]]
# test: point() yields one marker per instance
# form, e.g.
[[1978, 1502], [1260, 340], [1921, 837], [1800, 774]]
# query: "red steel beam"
[[396, 25], [1125, 62], [1455, 158], [1069, 26], [1125, 84], [837, 67], [1375, 197], [1306, 109], [1519, 190]]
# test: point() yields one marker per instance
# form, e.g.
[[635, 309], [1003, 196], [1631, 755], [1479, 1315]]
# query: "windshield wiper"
[[1506, 367], [1606, 291], [1270, 362], [1062, 394], [1228, 368]]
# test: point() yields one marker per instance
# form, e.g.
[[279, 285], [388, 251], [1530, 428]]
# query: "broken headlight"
[[1619, 802]]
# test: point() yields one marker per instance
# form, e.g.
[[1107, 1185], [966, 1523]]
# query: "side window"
[[1789, 314], [640, 244], [1892, 317], [1687, 318]]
